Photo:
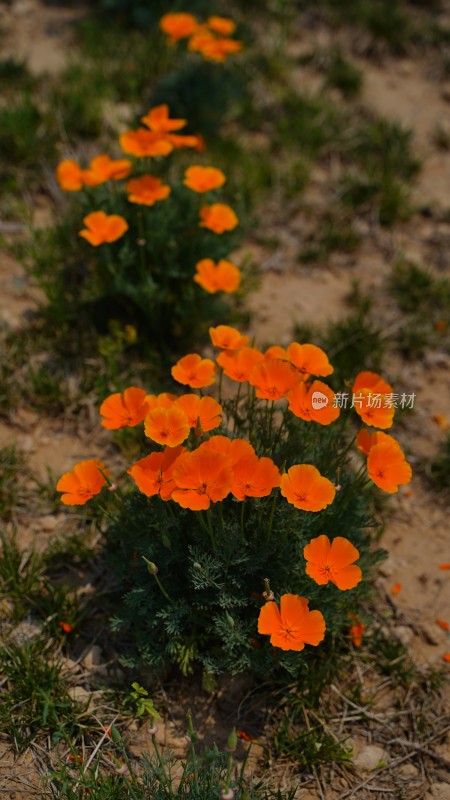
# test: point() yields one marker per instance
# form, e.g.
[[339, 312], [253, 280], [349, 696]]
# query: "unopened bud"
[[166, 541], [112, 488], [152, 729], [268, 596], [197, 566], [115, 734], [232, 741], [120, 768], [227, 794], [151, 567], [230, 621]]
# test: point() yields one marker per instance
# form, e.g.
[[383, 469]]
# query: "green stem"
[[166, 595], [272, 512], [242, 518]]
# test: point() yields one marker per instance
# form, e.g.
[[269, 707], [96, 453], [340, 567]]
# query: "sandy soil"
[[417, 530]]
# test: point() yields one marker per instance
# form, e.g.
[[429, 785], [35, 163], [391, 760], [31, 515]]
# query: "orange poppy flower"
[[213, 48], [443, 624], [273, 379], [333, 562], [397, 587], [218, 218], [66, 627], [103, 168], [82, 483], [372, 409], [446, 657], [70, 176], [444, 566], [178, 141], [372, 381], [304, 487], [235, 449], [165, 399], [254, 477], [202, 477], [238, 365], [153, 474], [167, 426], [158, 120], [222, 25], [178, 25], [142, 143], [365, 440], [294, 625], [124, 410], [356, 631], [313, 403], [101, 228], [194, 371], [275, 351], [147, 190], [309, 359], [387, 466], [203, 179], [221, 277], [227, 338], [205, 412]]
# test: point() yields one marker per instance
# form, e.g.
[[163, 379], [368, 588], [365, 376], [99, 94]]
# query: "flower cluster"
[[212, 38], [232, 447], [151, 235], [157, 139]]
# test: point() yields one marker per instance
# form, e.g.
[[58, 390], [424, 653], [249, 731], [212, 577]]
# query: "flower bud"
[[115, 734], [232, 741], [151, 567], [227, 794], [230, 621], [152, 729]]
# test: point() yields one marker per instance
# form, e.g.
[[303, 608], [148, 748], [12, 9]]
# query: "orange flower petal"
[[83, 482], [203, 179], [124, 410], [221, 277], [168, 426], [306, 488], [194, 371], [309, 359], [147, 190], [227, 338], [218, 218]]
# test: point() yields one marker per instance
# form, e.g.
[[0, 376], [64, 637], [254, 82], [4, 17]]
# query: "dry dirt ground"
[[417, 534]]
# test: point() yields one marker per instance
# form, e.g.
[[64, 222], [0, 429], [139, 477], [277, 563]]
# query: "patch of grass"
[[342, 74], [440, 467], [12, 469], [24, 138], [385, 145], [392, 658], [379, 154], [35, 698], [416, 289], [19, 576], [30, 590], [414, 337], [123, 62], [386, 20], [334, 233], [354, 344], [311, 123], [14, 75]]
